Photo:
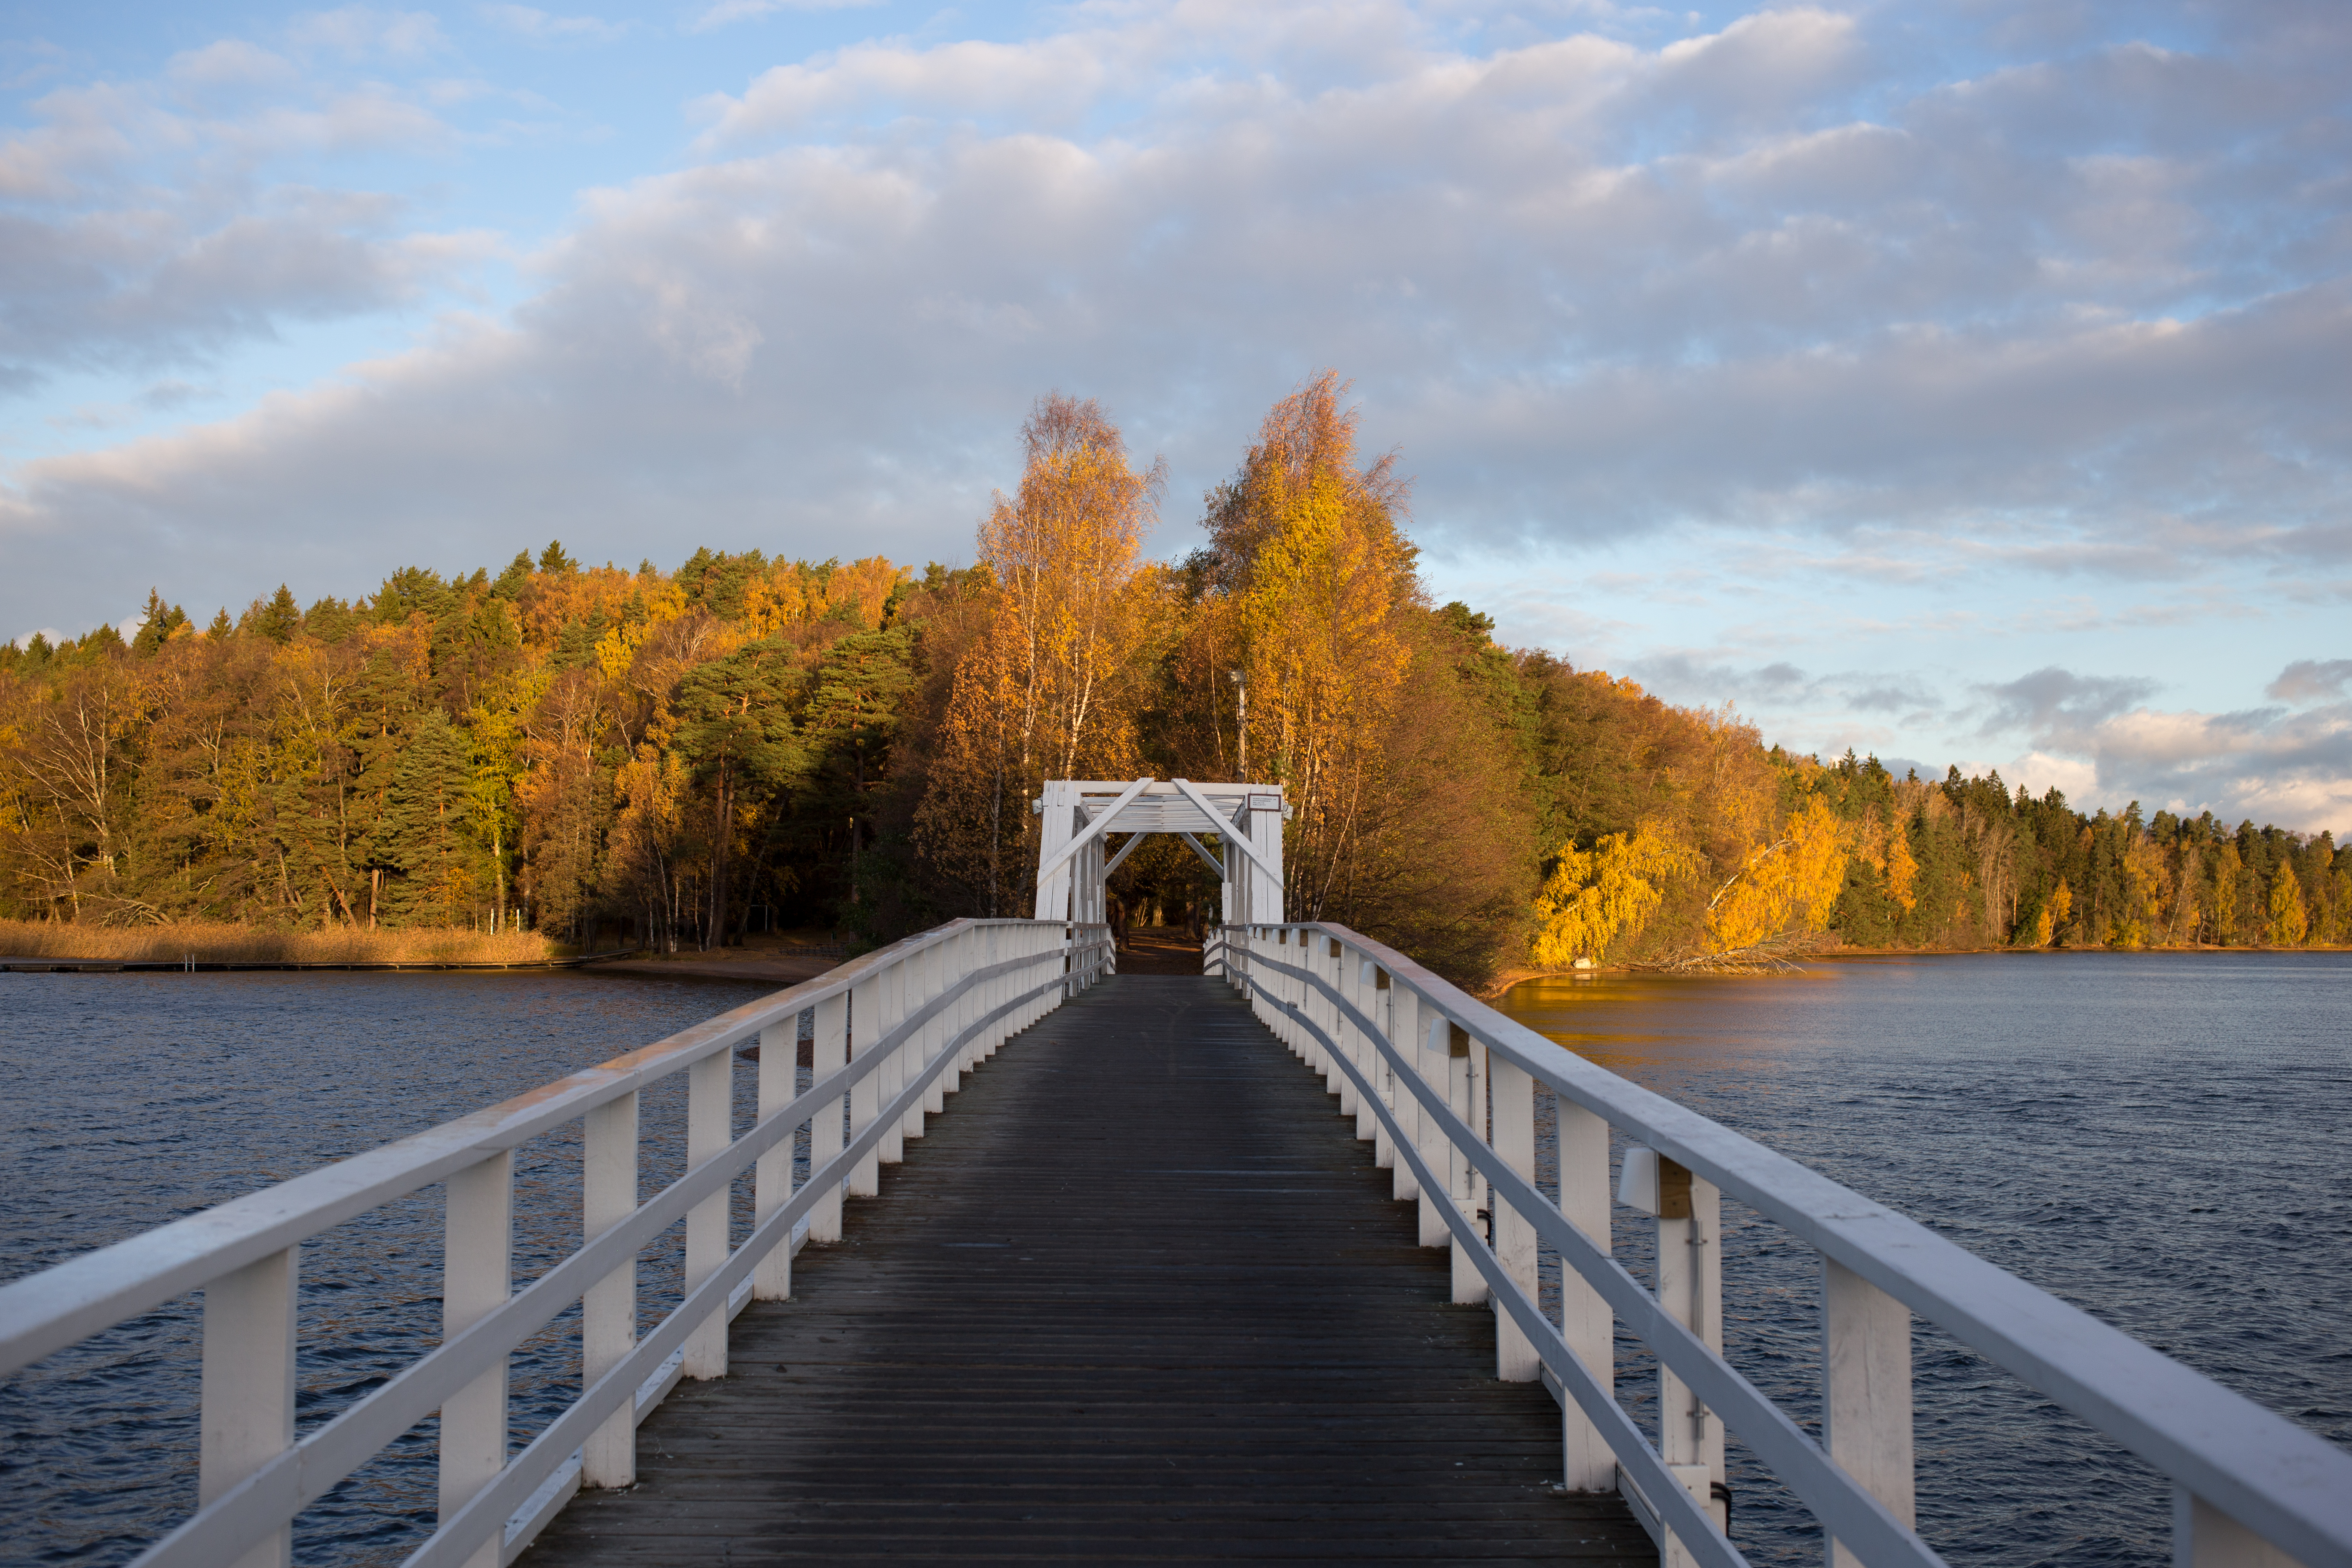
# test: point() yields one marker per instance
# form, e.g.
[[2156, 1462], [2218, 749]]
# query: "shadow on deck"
[[1138, 1296]]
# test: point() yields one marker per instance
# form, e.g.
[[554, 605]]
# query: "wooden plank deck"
[[1138, 1295]]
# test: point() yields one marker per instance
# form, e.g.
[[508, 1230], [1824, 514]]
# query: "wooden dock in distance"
[[1139, 1295]]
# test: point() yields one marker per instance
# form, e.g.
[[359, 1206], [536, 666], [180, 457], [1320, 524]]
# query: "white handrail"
[[984, 981], [2281, 1483]]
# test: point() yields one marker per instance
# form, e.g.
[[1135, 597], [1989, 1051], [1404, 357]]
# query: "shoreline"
[[1511, 977], [15, 965]]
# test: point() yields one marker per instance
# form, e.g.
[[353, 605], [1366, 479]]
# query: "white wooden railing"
[[893, 1031], [1444, 1084]]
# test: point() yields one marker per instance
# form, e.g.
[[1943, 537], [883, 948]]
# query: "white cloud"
[[361, 31], [1791, 296], [728, 11], [545, 28]]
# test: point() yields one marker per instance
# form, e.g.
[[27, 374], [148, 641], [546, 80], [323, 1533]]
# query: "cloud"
[[144, 228], [362, 31], [2264, 763], [545, 28], [2311, 680], [728, 11], [2054, 703]]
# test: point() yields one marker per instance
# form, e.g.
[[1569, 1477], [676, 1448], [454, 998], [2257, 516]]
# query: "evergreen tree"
[[420, 838]]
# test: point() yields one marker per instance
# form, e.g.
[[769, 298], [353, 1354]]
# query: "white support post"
[[1465, 1092], [996, 950], [891, 1011], [864, 1035], [1302, 1004], [1379, 1008], [1326, 966], [1586, 1323], [476, 1276], [947, 968], [1690, 1288], [1866, 1392], [1343, 981], [1514, 1092], [608, 1314], [922, 974], [1436, 1071], [710, 1119], [1404, 1031], [247, 1387], [2205, 1537], [780, 1053], [830, 1053]]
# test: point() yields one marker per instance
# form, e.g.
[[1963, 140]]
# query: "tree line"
[[683, 757]]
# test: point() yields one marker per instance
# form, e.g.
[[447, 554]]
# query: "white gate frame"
[[1079, 814]]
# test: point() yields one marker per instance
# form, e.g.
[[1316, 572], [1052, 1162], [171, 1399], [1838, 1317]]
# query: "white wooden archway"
[[1074, 862]]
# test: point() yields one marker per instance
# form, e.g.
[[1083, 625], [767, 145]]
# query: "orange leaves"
[[793, 592], [1593, 899], [1786, 887]]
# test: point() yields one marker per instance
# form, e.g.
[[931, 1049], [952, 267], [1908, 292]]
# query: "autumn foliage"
[[607, 756]]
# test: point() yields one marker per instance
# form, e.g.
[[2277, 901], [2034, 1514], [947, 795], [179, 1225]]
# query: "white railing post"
[[608, 1311], [1514, 1092], [947, 968], [476, 1276], [709, 1128], [1383, 1010], [830, 1053], [1350, 1043], [1466, 1095], [1690, 1288], [865, 1037], [922, 972], [780, 1055], [247, 1387], [1436, 1067], [1327, 1014], [891, 1009], [1404, 1033], [992, 950], [1586, 1323], [2205, 1537], [1866, 1392]]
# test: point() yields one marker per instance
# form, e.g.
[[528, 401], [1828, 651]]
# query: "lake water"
[[2160, 1138], [134, 1099]]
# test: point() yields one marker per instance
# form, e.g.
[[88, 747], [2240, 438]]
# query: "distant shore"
[[207, 944]]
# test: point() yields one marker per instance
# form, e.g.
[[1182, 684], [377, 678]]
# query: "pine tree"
[[420, 838]]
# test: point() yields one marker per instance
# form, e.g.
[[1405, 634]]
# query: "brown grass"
[[220, 942]]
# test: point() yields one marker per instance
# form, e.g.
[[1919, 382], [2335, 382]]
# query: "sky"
[[1963, 384]]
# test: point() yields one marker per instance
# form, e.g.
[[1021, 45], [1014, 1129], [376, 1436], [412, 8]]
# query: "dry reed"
[[211, 941]]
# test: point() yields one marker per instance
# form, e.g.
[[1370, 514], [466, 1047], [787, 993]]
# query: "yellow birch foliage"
[[1051, 686], [2288, 923], [1787, 885], [1597, 896]]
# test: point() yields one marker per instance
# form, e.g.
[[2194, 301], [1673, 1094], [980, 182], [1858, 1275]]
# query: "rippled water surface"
[[2163, 1140], [132, 1099]]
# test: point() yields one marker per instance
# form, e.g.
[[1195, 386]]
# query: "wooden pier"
[[1140, 1294], [1115, 1267]]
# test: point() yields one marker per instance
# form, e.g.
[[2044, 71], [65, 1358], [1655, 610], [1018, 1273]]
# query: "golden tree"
[[1050, 687]]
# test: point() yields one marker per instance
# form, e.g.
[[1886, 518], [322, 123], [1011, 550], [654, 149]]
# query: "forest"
[[668, 759]]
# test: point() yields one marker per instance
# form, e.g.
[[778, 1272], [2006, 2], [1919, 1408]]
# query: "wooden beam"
[[1239, 837], [1090, 832]]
